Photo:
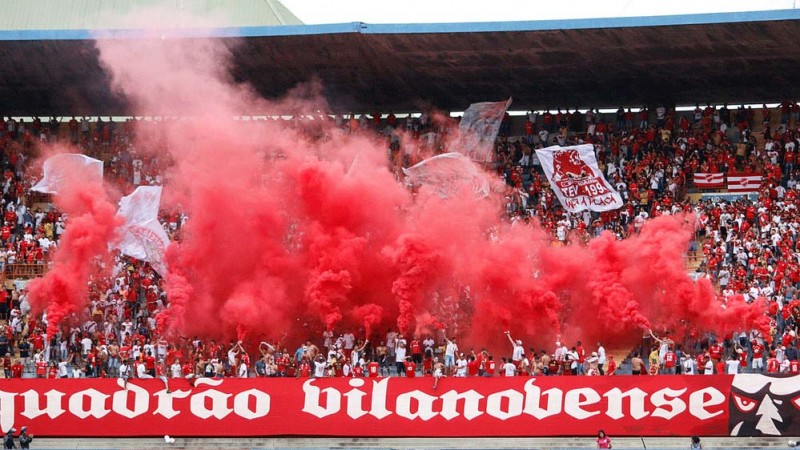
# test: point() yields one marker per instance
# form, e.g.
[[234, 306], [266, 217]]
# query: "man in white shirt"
[[124, 373], [232, 354], [427, 345], [509, 369], [327, 337], [601, 357], [349, 341], [461, 366], [400, 357], [561, 352], [62, 369], [688, 365], [242, 370], [732, 365], [141, 372], [127, 326], [86, 346], [518, 351], [319, 367], [450, 355], [175, 368], [709, 367]]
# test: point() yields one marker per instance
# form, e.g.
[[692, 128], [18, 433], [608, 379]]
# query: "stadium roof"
[[60, 15], [733, 57]]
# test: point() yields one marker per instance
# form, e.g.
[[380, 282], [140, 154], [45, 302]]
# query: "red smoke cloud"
[[304, 225], [92, 222]]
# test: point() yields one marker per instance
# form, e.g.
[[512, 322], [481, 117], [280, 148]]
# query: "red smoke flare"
[[91, 224], [299, 222]]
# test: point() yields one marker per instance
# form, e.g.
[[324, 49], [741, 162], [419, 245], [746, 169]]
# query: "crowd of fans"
[[747, 246]]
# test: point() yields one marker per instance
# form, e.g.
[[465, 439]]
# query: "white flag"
[[478, 129], [59, 168], [142, 236], [447, 174], [576, 179]]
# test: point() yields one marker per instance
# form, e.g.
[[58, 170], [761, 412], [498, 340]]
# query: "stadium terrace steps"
[[403, 443]]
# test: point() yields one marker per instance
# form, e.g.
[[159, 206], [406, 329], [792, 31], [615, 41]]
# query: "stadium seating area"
[[746, 244]]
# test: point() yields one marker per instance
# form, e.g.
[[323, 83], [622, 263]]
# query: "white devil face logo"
[[764, 406]]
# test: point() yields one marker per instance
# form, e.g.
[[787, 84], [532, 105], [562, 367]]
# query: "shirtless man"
[[438, 371], [113, 358], [637, 365], [383, 353]]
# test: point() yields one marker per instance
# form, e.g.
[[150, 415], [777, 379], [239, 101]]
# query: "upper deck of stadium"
[[53, 68]]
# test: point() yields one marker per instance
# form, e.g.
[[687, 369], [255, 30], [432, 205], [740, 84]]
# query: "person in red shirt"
[[720, 367], [291, 370], [358, 371], [411, 368], [373, 368], [670, 360], [491, 367], [473, 366], [416, 352], [305, 369], [773, 366], [581, 357], [41, 367], [17, 369], [701, 363], [757, 350], [188, 370], [150, 364], [282, 362], [715, 351], [52, 371], [427, 365], [794, 367]]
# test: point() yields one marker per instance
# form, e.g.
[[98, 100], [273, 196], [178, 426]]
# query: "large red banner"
[[499, 406]]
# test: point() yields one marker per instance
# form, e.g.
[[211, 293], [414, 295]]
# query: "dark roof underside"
[[377, 68]]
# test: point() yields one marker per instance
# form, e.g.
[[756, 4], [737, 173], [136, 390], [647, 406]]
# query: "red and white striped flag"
[[709, 180], [744, 182]]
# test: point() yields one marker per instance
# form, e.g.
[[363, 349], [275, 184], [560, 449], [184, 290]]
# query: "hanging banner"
[[664, 405], [709, 180], [58, 168], [447, 174], [744, 182], [478, 129], [576, 179], [142, 236]]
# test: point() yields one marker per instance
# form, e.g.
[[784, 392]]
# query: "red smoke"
[[92, 222], [303, 224], [371, 314]]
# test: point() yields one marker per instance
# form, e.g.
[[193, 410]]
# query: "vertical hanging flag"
[[142, 236], [478, 129]]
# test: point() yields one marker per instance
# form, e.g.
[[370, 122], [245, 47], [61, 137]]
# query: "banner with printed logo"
[[576, 180], [662, 405], [478, 129], [709, 180], [142, 236], [744, 182]]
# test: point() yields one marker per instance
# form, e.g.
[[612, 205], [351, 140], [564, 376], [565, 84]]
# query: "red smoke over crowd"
[[82, 249], [299, 229]]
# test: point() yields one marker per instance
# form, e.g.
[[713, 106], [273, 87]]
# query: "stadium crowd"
[[746, 245]]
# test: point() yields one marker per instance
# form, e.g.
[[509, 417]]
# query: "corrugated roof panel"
[[137, 14]]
